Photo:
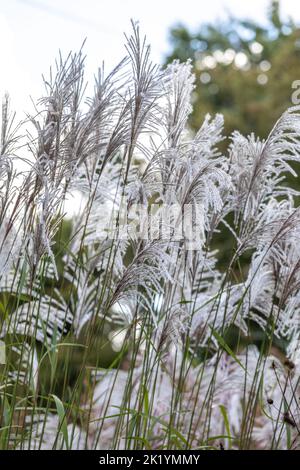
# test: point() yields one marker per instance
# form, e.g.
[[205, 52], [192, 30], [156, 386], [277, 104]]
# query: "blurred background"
[[246, 57]]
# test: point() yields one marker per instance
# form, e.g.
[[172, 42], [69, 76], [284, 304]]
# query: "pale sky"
[[32, 32]]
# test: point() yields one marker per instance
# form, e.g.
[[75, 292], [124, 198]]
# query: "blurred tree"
[[244, 70]]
